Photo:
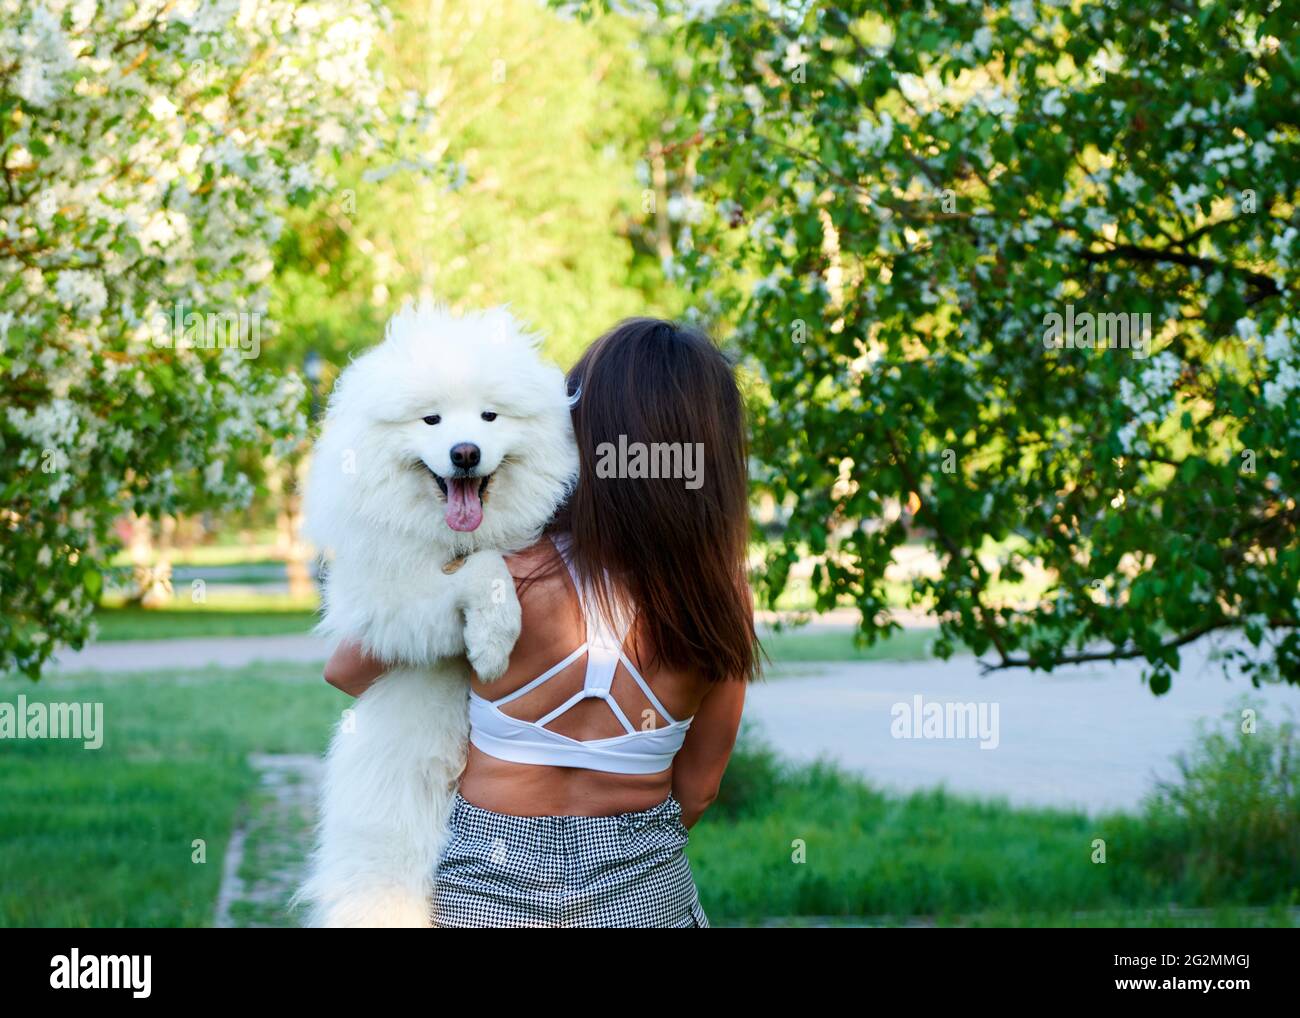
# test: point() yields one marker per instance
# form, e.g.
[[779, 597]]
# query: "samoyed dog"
[[446, 446]]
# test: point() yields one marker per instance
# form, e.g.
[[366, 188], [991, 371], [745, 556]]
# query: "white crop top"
[[637, 751]]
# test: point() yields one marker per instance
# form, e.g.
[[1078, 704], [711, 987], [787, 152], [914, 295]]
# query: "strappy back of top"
[[636, 751]]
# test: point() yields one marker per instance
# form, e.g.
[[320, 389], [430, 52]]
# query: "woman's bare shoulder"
[[536, 559], [541, 580]]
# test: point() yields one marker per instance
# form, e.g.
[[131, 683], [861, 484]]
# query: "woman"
[[608, 735]]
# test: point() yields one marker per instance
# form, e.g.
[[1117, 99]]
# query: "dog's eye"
[[433, 419], [488, 415]]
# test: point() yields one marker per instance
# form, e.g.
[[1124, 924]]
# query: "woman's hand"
[[352, 670]]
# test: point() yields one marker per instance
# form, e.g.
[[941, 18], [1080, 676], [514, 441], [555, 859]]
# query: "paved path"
[[267, 855], [235, 652], [223, 651], [1090, 737]]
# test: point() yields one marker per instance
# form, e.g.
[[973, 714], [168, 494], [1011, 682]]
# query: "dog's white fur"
[[394, 761]]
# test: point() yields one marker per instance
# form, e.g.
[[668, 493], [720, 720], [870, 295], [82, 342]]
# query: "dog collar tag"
[[453, 565]]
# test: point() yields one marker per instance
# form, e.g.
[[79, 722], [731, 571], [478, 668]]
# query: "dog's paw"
[[490, 634], [491, 629], [489, 666], [492, 614]]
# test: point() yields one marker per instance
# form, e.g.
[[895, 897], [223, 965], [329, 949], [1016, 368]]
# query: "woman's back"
[[561, 776]]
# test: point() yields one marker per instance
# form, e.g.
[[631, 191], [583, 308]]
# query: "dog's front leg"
[[412, 619], [492, 613]]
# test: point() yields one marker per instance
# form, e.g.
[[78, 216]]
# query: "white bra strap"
[[528, 687], [597, 629], [618, 713], [577, 698], [604, 649], [563, 543], [546, 719], [645, 688]]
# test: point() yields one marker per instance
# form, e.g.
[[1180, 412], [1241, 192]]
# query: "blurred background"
[[1030, 620]]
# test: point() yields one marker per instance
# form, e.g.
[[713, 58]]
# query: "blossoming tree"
[[147, 152], [909, 202]]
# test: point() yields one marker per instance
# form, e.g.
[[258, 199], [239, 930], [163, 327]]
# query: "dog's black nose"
[[464, 456]]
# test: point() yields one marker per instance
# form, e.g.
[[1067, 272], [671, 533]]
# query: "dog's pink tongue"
[[464, 508]]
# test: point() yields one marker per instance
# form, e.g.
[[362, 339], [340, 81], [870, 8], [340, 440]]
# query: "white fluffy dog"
[[444, 447]]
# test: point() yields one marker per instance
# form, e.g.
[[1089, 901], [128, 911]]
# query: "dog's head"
[[452, 431]]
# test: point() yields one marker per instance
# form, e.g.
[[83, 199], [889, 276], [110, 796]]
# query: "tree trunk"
[[151, 569], [290, 479], [663, 229]]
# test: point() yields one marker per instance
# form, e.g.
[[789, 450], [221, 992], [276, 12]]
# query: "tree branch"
[[1126, 653], [1267, 286]]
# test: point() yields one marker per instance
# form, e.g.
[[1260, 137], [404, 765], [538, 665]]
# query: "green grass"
[[814, 841], [107, 837], [839, 645], [1150, 918], [866, 852], [224, 615], [232, 553], [277, 840]]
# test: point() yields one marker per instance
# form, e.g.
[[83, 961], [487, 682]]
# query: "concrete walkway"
[[236, 652], [267, 856], [1088, 737], [222, 651]]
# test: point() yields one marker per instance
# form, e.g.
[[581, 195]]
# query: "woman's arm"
[[354, 671], [351, 669], [700, 763]]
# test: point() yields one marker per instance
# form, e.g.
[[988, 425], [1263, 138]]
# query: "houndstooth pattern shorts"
[[566, 871]]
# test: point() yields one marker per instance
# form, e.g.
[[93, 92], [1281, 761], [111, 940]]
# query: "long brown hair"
[[674, 546]]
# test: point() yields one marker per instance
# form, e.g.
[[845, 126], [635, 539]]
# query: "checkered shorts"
[[566, 871]]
